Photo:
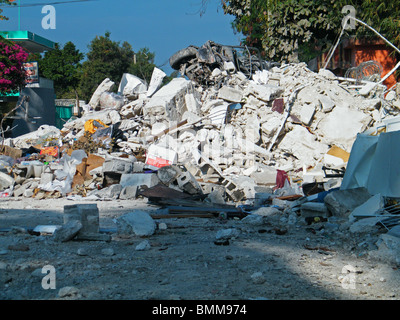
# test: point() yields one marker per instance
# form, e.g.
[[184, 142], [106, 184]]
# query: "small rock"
[[144, 245], [82, 252], [108, 252], [227, 234], [68, 231], [258, 278], [68, 292], [162, 226], [253, 219], [138, 222], [18, 247]]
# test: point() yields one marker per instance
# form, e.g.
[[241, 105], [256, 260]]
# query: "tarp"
[[374, 164]]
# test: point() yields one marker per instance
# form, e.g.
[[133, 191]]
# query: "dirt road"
[[279, 259]]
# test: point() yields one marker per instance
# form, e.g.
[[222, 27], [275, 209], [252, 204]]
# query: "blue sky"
[[163, 26]]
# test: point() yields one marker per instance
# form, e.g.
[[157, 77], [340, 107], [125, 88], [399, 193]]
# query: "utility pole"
[[19, 15]]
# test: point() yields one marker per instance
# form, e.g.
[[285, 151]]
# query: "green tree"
[[63, 66], [106, 59], [143, 65], [291, 30]]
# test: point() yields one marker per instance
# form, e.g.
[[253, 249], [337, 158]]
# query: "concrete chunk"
[[341, 203], [230, 94], [139, 179], [68, 231], [137, 222], [314, 209], [105, 86]]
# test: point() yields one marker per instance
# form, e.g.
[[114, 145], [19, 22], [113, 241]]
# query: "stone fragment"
[[253, 219], [111, 192], [226, 234], [167, 102], [6, 181], [105, 86], [144, 245], [258, 278], [129, 193], [68, 231], [107, 252], [139, 179], [68, 292], [118, 165], [342, 125], [341, 203], [230, 94], [86, 214], [137, 222], [314, 209]]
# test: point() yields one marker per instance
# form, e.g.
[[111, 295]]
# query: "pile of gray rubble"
[[281, 137]]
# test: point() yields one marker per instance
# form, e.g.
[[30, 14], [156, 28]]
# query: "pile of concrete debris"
[[243, 139]]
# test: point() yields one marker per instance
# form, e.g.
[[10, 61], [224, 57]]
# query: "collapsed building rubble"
[[225, 140]]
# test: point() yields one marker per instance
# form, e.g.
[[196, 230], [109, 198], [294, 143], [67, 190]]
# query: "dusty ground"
[[184, 261]]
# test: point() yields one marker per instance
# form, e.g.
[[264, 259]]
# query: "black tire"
[[182, 56]]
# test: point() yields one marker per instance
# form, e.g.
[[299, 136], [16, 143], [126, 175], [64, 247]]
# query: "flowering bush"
[[12, 72]]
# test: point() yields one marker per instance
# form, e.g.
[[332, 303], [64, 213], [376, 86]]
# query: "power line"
[[43, 4]]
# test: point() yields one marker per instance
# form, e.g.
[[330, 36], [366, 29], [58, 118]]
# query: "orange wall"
[[379, 54]]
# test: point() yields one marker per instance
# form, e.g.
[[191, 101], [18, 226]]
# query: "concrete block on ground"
[[86, 214], [68, 231], [137, 222], [341, 203], [139, 179], [118, 166], [314, 209], [187, 182], [129, 193]]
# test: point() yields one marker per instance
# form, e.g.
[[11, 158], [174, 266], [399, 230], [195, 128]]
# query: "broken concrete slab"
[[129, 193], [314, 209], [118, 165], [139, 179], [167, 102], [6, 181], [105, 86], [370, 208], [137, 222], [86, 214], [342, 126], [131, 85], [341, 203], [230, 94], [68, 231]]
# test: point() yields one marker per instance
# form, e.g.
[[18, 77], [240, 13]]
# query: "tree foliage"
[[62, 65], [143, 65], [286, 30], [106, 59]]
